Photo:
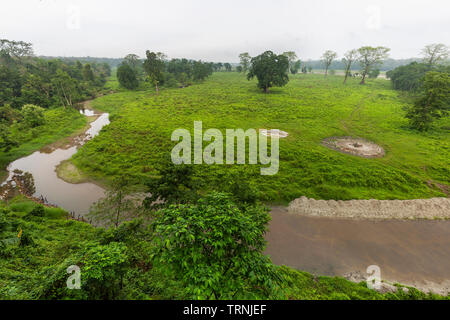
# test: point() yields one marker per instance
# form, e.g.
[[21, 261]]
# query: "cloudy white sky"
[[216, 30]]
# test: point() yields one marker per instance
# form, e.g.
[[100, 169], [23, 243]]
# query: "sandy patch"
[[354, 146], [274, 133]]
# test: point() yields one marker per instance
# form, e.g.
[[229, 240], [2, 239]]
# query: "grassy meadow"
[[310, 108]]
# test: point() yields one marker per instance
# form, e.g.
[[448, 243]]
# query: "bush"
[[37, 211], [214, 248], [433, 103], [127, 77], [33, 116], [374, 73]]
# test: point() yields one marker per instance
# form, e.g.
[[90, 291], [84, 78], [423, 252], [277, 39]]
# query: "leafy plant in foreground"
[[214, 248]]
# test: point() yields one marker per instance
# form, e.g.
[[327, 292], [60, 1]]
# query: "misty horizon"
[[209, 31]]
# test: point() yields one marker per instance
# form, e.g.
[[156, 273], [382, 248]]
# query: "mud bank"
[[434, 208]]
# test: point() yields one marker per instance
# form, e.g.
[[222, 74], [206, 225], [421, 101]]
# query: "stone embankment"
[[434, 208]]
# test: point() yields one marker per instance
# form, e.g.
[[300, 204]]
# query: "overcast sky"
[[215, 30]]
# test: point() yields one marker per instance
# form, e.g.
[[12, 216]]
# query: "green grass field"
[[310, 108]]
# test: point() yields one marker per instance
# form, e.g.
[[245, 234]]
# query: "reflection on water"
[[72, 197], [87, 112]]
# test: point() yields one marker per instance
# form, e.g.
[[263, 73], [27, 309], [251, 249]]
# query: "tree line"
[[29, 85], [26, 79], [157, 70], [428, 84]]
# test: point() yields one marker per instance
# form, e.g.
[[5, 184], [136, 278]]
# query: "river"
[[42, 165]]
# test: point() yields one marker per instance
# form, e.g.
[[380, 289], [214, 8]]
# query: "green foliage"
[[434, 101], [25, 79], [435, 53], [104, 267], [214, 248], [127, 77], [88, 75], [170, 81], [174, 185], [270, 70], [201, 70], [370, 57], [374, 73], [7, 140], [245, 60], [117, 206], [410, 77], [295, 67], [33, 116], [37, 211], [327, 58], [154, 67]]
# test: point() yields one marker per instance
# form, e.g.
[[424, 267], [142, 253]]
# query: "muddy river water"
[[42, 164], [411, 252]]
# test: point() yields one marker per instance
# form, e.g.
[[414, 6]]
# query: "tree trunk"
[[347, 70], [118, 209], [363, 79], [326, 71], [366, 71], [157, 89], [266, 89]]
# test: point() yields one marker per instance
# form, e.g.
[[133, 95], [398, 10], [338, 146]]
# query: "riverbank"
[[42, 166], [434, 208], [60, 123]]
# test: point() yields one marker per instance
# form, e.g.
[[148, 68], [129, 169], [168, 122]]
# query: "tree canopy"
[[435, 53], [127, 76], [433, 102], [245, 61], [370, 57], [214, 247], [154, 67], [270, 70], [327, 58]]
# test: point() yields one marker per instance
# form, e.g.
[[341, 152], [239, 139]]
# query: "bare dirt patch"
[[274, 133], [354, 146]]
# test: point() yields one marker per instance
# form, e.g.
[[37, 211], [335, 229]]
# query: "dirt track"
[[434, 208]]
